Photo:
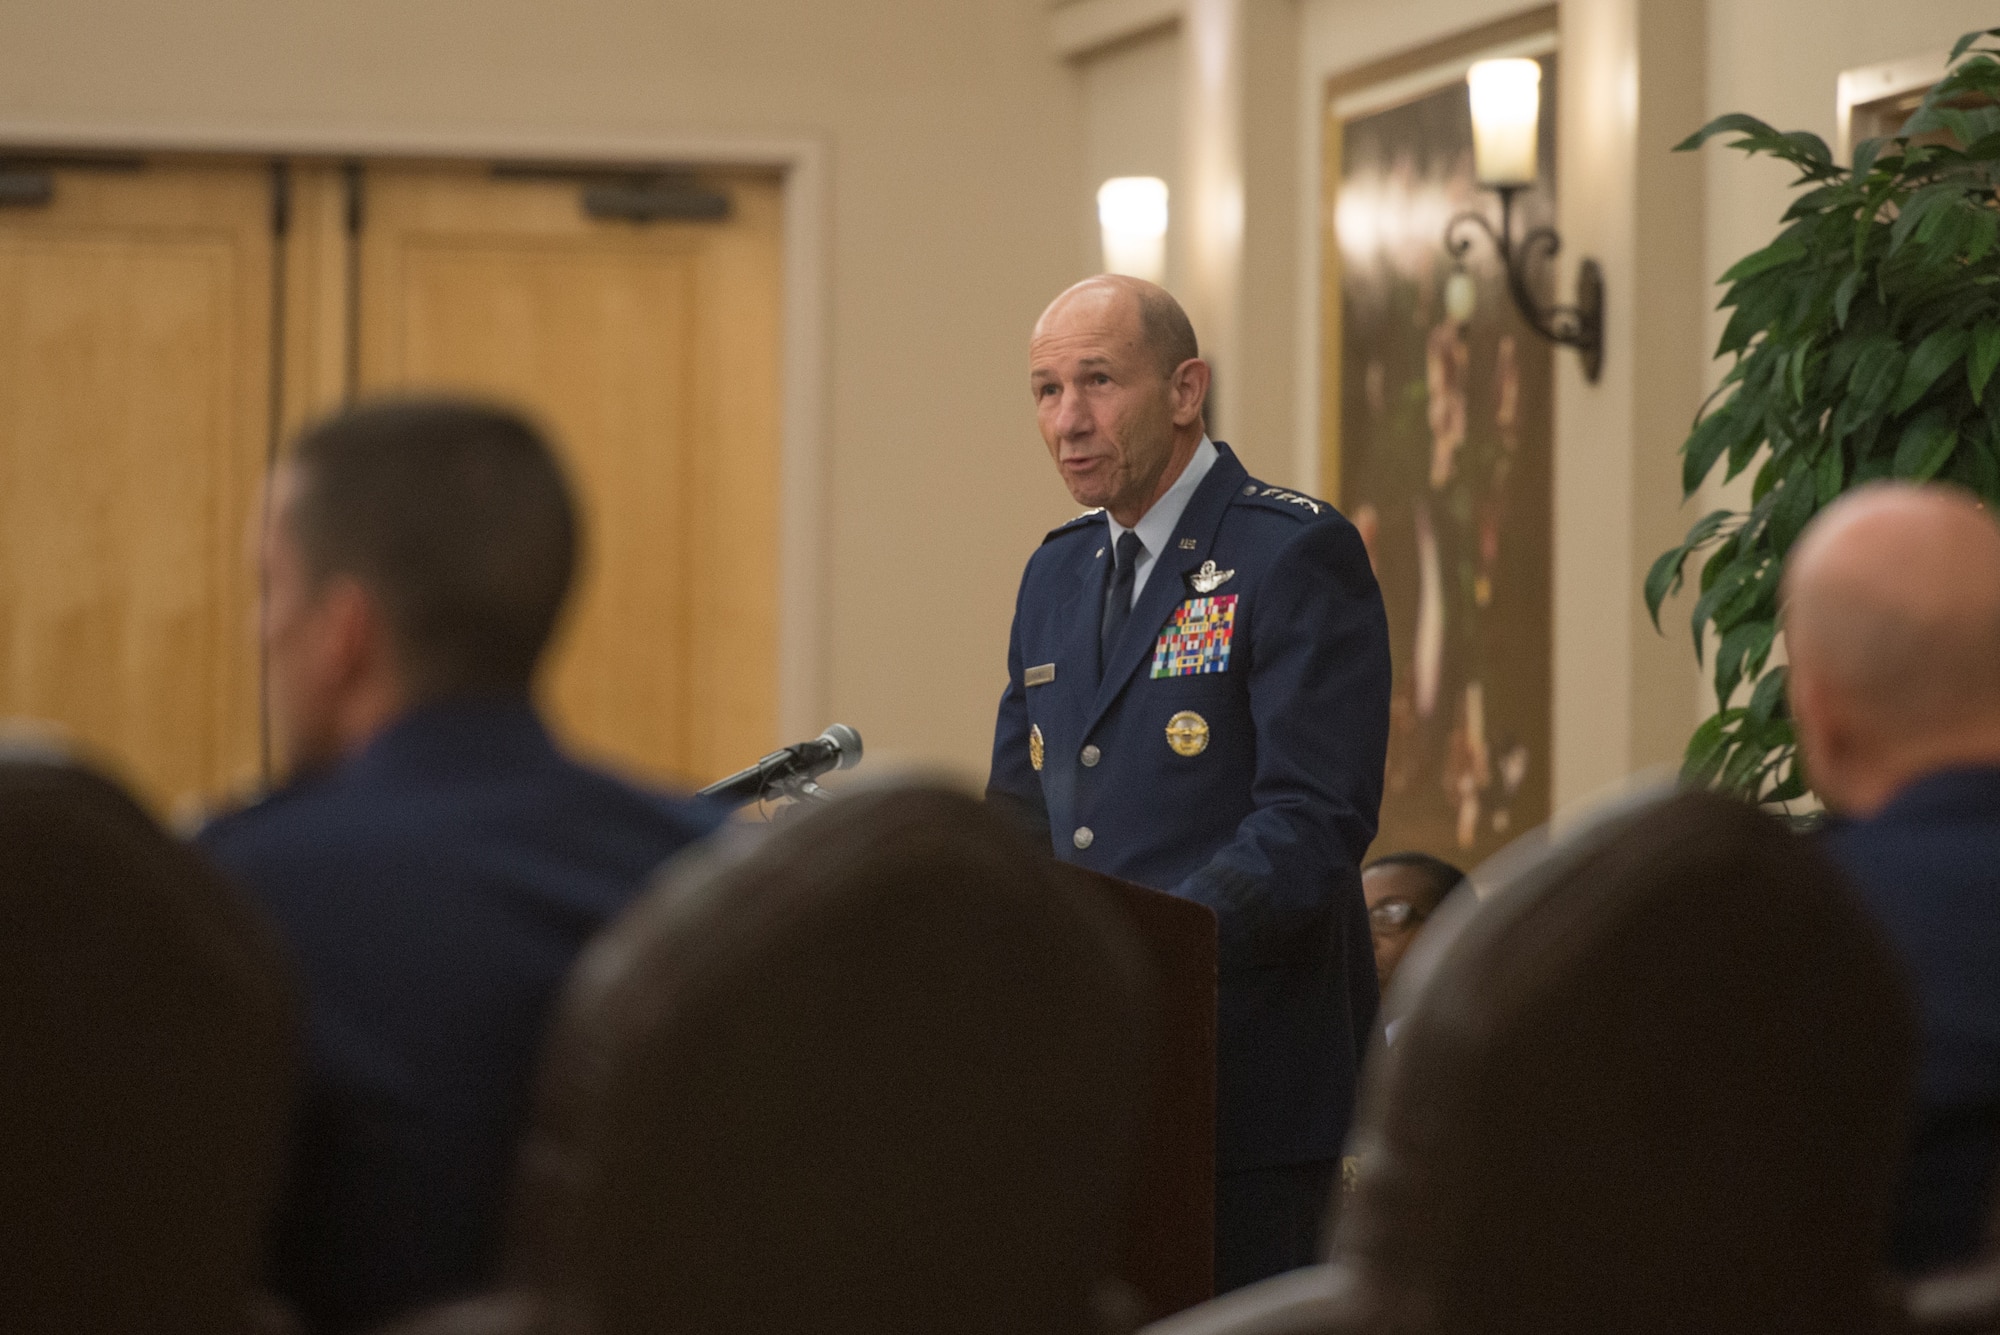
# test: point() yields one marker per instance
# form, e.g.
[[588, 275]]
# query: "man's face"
[[1398, 902], [302, 659], [1105, 408]]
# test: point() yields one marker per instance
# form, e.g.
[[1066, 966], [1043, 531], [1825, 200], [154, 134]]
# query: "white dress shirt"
[[1156, 526]]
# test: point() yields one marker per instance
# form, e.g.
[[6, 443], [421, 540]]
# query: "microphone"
[[839, 747]]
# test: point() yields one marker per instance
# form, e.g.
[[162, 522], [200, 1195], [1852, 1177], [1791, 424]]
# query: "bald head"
[[1151, 316], [1892, 624], [1119, 392]]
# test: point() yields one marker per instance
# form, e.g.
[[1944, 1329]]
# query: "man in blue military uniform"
[[436, 862], [1198, 701]]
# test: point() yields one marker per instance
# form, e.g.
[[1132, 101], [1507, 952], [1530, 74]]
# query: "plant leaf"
[[1876, 375], [1782, 251], [1828, 474], [1789, 789], [1925, 445], [1663, 580], [1917, 208], [1933, 357], [1768, 696], [1958, 48], [1843, 296], [1738, 572], [1751, 639], [1705, 748], [1735, 121], [1985, 225], [1714, 434], [1984, 357], [1797, 499]]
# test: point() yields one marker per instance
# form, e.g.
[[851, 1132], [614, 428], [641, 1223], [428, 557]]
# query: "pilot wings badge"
[[1208, 579]]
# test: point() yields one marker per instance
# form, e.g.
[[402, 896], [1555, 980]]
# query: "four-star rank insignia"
[[1035, 747]]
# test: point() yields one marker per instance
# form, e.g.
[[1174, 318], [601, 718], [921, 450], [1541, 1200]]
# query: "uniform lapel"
[[1083, 610], [1167, 583]]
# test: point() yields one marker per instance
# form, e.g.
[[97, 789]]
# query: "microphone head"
[[847, 742]]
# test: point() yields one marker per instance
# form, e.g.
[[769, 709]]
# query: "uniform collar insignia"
[[1208, 579]]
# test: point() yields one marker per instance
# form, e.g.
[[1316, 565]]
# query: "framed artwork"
[[1441, 443], [1873, 102]]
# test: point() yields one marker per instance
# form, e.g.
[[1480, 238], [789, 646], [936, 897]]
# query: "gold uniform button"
[[1091, 755], [1187, 733], [1083, 837]]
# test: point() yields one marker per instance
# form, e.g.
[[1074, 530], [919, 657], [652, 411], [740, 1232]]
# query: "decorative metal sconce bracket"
[[1580, 326]]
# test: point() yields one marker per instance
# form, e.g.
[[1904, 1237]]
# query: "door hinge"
[[635, 193], [21, 189], [660, 199], [281, 199], [30, 182]]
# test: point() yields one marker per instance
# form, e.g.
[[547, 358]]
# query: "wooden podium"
[[1170, 1245]]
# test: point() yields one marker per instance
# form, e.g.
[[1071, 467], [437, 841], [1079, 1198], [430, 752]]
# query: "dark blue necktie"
[[1118, 598]]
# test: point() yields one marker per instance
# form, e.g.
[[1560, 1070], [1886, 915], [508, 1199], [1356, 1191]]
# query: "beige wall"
[[1132, 124], [957, 148], [951, 147]]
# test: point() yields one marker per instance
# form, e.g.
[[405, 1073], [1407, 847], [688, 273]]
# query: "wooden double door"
[[166, 325]]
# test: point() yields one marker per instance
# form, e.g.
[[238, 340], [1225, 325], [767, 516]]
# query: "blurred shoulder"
[[677, 817], [304, 814]]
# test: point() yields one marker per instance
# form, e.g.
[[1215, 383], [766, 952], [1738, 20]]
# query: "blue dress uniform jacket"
[[1928, 865], [1263, 801], [433, 891]]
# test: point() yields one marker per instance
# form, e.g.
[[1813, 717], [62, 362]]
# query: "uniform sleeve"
[[1319, 700], [1012, 783]]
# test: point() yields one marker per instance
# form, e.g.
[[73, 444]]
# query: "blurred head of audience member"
[[1403, 890], [416, 550], [1603, 1114], [151, 1041], [879, 1072], [1892, 624]]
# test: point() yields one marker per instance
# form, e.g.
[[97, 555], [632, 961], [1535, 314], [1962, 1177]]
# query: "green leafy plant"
[[1865, 339]]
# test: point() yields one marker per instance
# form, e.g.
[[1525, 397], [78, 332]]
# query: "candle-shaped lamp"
[[1506, 106], [1132, 215]]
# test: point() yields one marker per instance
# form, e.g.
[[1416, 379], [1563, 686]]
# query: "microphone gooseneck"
[[790, 772]]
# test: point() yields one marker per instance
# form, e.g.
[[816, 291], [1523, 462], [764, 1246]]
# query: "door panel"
[[135, 327], [650, 351], [137, 319]]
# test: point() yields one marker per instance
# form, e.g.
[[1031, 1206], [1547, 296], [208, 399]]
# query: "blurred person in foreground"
[[1892, 624], [435, 861], [1403, 891], [1198, 701]]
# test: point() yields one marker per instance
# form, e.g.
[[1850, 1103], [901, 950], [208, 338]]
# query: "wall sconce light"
[[1132, 217], [1506, 110]]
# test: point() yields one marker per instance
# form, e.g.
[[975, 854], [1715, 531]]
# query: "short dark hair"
[[1440, 877], [1166, 329], [457, 517]]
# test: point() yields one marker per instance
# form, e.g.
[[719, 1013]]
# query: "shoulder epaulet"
[[1077, 522], [1283, 499]]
